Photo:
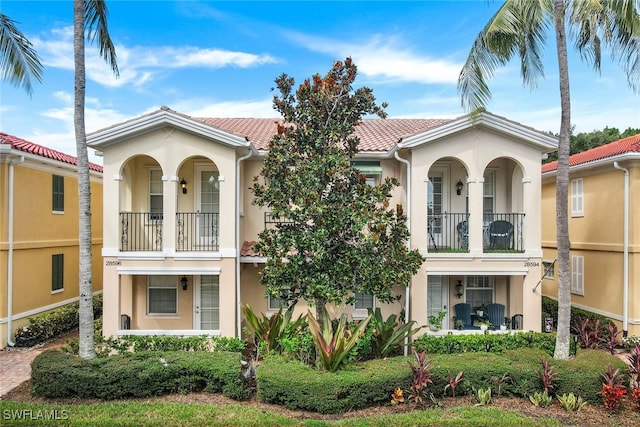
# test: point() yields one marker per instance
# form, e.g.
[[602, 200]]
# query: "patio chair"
[[463, 312], [495, 314], [501, 235], [516, 321], [463, 233]]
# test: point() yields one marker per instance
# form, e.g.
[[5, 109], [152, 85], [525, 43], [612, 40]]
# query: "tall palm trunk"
[[562, 189], [87, 350]]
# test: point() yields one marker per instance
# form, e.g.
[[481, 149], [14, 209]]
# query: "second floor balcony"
[[501, 233], [143, 232]]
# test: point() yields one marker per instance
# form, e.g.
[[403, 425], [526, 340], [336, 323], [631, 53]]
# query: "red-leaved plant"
[[421, 378], [612, 393], [453, 383], [547, 375]]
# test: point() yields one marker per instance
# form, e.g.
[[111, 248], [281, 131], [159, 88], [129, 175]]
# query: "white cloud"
[[385, 59], [246, 108], [139, 65]]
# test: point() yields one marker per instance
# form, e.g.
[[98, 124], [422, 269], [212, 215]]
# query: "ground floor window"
[[479, 291], [162, 295]]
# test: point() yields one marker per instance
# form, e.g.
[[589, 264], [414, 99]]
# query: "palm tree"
[[19, 62], [92, 16], [519, 28]]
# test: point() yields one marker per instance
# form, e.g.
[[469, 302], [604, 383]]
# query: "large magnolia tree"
[[337, 234], [518, 29]]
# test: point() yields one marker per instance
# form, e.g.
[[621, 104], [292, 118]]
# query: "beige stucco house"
[[179, 225], [39, 231], [604, 231]]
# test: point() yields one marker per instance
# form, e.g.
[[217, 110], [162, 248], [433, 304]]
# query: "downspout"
[[10, 254], [408, 288], [625, 285], [251, 152]]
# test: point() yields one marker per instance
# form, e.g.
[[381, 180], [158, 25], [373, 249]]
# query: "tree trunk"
[[562, 190], [320, 306], [87, 350]]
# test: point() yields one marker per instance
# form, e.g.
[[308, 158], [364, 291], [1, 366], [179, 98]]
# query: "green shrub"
[[57, 374], [298, 386], [50, 325], [550, 309], [136, 343], [492, 343]]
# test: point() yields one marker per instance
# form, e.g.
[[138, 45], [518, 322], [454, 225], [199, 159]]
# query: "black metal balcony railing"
[[140, 231], [270, 221], [197, 231], [448, 232], [501, 232]]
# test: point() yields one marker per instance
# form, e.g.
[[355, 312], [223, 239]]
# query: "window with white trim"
[[371, 170], [488, 193], [479, 290], [577, 198], [363, 301], [162, 295], [275, 304], [57, 272], [577, 275], [155, 194], [549, 270]]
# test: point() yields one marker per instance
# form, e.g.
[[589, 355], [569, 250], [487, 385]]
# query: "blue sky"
[[220, 59]]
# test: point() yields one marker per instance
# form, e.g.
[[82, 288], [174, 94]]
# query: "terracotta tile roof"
[[630, 144], [375, 134], [247, 249], [39, 150]]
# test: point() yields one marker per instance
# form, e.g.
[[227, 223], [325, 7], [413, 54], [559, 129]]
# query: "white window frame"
[[372, 178], [577, 275], [57, 273], [472, 284], [549, 270], [577, 197], [274, 304], [155, 216], [360, 313], [163, 282], [489, 183]]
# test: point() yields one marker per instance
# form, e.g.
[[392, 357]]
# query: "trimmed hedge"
[[57, 374], [298, 386], [50, 325], [550, 309], [493, 343], [513, 373]]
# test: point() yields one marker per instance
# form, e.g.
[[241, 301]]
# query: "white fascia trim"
[[253, 260], [596, 163], [542, 140], [478, 271], [156, 271], [169, 332], [112, 135], [44, 308]]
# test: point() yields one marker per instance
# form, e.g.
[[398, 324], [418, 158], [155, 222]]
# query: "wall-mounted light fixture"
[[459, 186], [183, 185], [184, 283], [459, 289]]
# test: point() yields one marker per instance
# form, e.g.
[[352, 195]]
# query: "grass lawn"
[[175, 414]]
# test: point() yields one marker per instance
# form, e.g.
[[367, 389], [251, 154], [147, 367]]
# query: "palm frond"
[[95, 22], [19, 62]]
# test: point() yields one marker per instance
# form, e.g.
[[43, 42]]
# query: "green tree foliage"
[[587, 140], [340, 236]]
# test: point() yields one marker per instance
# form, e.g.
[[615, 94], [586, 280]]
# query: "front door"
[[437, 205], [207, 206], [438, 297], [207, 303]]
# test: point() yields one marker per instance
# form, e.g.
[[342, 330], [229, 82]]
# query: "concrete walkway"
[[15, 363]]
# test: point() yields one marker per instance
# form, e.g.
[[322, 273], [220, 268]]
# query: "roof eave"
[[595, 163], [117, 133], [545, 142]]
